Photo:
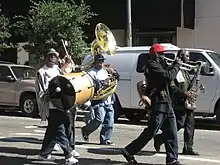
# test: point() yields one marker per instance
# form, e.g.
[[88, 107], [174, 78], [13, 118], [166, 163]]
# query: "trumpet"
[[184, 66]]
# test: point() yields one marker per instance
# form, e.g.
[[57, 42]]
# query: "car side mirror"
[[207, 70], [9, 78]]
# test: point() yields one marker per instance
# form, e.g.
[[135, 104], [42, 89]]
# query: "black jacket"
[[158, 79]]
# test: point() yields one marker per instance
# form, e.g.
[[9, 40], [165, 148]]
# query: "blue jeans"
[[100, 115], [159, 120]]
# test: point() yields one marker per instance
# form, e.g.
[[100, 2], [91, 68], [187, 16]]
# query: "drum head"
[[62, 93]]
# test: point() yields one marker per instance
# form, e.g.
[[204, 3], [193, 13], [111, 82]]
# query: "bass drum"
[[69, 90]]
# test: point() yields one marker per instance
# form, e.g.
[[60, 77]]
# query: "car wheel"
[[218, 114], [29, 105], [135, 116]]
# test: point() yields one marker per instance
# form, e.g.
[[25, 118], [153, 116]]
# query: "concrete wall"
[[207, 27], [185, 37], [207, 24]]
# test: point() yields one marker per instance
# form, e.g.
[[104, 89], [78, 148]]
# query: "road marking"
[[27, 134], [39, 131], [31, 126], [192, 158]]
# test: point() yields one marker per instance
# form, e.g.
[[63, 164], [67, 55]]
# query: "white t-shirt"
[[49, 73], [101, 75]]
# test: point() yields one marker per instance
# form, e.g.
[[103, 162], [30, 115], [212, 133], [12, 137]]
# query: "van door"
[[138, 75], [204, 101], [122, 62]]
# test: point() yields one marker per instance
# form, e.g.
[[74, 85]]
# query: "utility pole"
[[129, 24]]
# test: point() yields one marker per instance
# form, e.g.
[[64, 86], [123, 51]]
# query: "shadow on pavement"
[[19, 151], [14, 160], [22, 139], [116, 151]]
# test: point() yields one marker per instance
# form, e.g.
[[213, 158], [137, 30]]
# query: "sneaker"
[[47, 158], [190, 152], [108, 142], [128, 157], [85, 135], [74, 153], [56, 147], [175, 163], [71, 160]]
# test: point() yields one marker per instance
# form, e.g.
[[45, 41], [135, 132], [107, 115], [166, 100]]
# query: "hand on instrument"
[[187, 93]]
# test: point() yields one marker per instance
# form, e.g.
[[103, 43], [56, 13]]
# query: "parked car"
[[130, 62], [17, 88]]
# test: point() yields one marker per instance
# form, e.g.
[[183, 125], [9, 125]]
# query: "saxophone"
[[195, 88]]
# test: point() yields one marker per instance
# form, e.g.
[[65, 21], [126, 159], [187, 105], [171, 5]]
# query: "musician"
[[66, 66], [101, 111], [57, 119], [184, 117], [162, 112]]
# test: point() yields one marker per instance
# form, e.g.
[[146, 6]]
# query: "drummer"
[[57, 119]]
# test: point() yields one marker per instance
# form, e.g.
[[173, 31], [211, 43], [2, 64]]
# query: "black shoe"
[[129, 158], [190, 152], [85, 135], [175, 163], [157, 144], [108, 142]]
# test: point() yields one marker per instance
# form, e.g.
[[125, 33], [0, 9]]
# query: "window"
[[194, 56], [215, 57], [144, 57], [4, 72], [23, 72], [142, 62]]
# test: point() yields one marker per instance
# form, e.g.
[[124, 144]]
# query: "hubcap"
[[28, 106]]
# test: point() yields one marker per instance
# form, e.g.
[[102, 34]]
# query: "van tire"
[[135, 115], [217, 113], [117, 110], [28, 105]]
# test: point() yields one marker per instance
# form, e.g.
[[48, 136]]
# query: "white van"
[[129, 62]]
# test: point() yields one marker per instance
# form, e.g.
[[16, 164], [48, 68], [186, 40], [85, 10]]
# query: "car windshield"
[[24, 72], [215, 57]]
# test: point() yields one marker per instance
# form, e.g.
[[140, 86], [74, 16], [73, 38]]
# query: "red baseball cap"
[[156, 48]]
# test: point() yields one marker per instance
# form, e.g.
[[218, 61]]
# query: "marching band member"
[[184, 117], [57, 119], [101, 111], [162, 111]]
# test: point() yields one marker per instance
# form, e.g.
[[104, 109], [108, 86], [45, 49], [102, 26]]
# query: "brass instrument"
[[104, 44], [73, 89], [184, 66]]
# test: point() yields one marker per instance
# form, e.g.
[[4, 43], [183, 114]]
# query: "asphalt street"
[[21, 138]]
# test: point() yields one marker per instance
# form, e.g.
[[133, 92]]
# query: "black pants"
[[158, 119], [70, 127], [184, 119], [55, 133]]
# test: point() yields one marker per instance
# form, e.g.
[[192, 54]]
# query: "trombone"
[[183, 66]]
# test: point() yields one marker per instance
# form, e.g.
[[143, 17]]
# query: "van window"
[[143, 58], [196, 56], [142, 62]]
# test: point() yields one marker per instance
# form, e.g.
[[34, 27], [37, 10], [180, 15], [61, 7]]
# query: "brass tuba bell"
[[104, 44]]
